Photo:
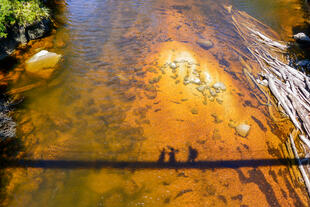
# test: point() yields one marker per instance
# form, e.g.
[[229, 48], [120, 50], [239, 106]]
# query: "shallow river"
[[129, 90]]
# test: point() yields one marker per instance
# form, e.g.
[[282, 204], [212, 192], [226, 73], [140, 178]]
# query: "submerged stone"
[[174, 76], [205, 77], [173, 65], [194, 111], [232, 123], [212, 92], [205, 44], [217, 118], [186, 80], [155, 80], [243, 129], [219, 86], [201, 89], [151, 70], [195, 81], [42, 64], [219, 100]]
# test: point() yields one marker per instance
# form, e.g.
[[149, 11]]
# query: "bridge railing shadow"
[[98, 164]]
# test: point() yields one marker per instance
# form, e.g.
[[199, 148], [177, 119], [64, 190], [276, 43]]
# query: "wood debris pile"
[[290, 87]]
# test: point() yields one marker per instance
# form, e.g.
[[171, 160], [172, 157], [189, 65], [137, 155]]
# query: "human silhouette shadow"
[[172, 155], [162, 155], [192, 154]]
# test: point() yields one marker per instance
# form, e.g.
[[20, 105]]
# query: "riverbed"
[[136, 86]]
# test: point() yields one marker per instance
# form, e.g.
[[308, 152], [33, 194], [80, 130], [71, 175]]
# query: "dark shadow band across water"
[[98, 164]]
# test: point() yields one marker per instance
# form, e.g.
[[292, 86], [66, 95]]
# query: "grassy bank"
[[20, 12]]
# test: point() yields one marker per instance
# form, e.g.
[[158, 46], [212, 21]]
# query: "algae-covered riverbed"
[[154, 83]]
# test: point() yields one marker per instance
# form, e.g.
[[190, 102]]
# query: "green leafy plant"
[[6, 16], [21, 12], [27, 12]]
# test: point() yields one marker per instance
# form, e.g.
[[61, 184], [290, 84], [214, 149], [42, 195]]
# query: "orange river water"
[[121, 93]]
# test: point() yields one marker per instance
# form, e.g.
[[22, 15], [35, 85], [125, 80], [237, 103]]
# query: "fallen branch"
[[301, 167]]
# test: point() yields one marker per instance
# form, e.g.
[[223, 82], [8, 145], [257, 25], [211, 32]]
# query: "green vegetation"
[[21, 12]]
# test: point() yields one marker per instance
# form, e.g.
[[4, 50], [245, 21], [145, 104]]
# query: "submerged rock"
[[219, 100], [205, 44], [173, 65], [186, 80], [217, 118], [195, 80], [200, 89], [232, 123], [194, 111], [155, 79], [205, 77], [219, 86], [42, 64], [212, 92], [243, 129]]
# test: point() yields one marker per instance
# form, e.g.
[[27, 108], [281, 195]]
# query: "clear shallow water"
[[116, 98]]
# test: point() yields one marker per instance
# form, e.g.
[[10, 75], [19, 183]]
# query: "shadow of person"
[[162, 155], [172, 155], [192, 154]]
